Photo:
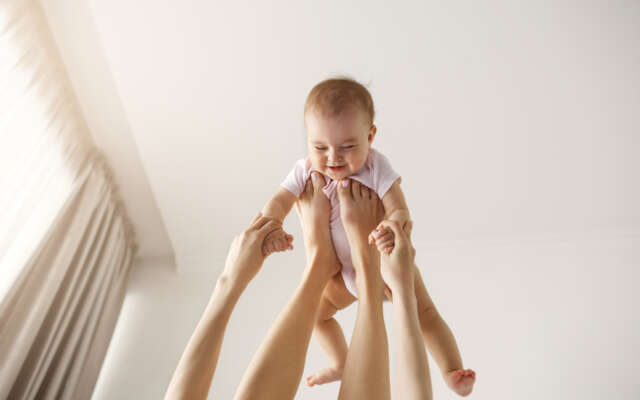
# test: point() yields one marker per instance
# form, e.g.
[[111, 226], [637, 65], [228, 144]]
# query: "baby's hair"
[[333, 96]]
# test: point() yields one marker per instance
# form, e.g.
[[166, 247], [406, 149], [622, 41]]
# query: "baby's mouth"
[[336, 169]]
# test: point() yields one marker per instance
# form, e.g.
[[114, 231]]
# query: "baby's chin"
[[336, 176]]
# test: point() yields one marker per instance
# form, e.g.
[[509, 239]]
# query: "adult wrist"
[[229, 286], [404, 293]]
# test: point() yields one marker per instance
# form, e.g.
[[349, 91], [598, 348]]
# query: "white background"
[[515, 126]]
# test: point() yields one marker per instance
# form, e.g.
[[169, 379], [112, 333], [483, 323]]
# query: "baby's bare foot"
[[461, 381], [325, 376]]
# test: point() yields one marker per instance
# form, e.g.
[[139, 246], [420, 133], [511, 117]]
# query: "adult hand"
[[397, 266], [245, 255]]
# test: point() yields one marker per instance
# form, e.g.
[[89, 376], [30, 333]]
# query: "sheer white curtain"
[[66, 245]]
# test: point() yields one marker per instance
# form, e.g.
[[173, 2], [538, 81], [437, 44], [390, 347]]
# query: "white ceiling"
[[506, 121]]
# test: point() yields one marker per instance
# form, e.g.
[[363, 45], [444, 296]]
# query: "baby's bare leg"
[[441, 343], [329, 333]]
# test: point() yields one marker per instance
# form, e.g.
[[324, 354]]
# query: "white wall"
[[73, 27], [515, 126], [554, 318]]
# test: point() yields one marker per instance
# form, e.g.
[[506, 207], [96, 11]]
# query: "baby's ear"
[[372, 133]]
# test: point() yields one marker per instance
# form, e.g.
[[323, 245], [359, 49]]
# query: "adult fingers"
[[255, 221], [383, 245], [270, 226], [395, 228], [259, 222], [383, 236]]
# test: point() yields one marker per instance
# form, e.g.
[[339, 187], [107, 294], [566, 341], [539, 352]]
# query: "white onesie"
[[376, 174]]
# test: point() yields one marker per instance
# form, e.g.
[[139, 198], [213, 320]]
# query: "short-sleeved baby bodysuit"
[[376, 174]]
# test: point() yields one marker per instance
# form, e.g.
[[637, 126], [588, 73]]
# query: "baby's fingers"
[[385, 246], [378, 233], [384, 236], [266, 249]]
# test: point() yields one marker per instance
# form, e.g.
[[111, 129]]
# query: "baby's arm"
[[277, 208], [279, 205], [396, 209]]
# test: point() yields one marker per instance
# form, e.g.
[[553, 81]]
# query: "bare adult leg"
[[366, 371]]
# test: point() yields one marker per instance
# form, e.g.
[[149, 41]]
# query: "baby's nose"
[[333, 155]]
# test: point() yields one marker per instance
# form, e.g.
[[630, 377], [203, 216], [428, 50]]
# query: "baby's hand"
[[384, 237], [278, 240]]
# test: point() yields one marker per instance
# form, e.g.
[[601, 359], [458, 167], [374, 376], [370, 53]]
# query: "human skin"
[[277, 366], [366, 369], [338, 147], [413, 380], [344, 141], [193, 375], [436, 334]]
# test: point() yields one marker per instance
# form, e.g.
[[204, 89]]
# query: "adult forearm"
[[366, 371], [197, 366], [271, 375], [412, 375]]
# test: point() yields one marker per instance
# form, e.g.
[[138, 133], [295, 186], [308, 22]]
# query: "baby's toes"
[[457, 375]]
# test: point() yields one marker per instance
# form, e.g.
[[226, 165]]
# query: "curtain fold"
[[66, 243]]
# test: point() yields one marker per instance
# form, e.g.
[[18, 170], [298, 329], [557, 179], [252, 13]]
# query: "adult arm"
[[192, 378], [412, 370], [276, 368]]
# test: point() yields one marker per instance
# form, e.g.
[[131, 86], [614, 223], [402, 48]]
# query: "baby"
[[338, 118]]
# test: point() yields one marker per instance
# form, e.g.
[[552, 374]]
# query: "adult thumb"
[[267, 228], [400, 236]]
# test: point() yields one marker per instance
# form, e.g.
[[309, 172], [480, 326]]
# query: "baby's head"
[[338, 117]]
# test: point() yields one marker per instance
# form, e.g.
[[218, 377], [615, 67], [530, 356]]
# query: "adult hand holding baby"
[[397, 263], [245, 257], [398, 272]]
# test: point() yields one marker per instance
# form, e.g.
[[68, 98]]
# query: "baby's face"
[[339, 146]]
